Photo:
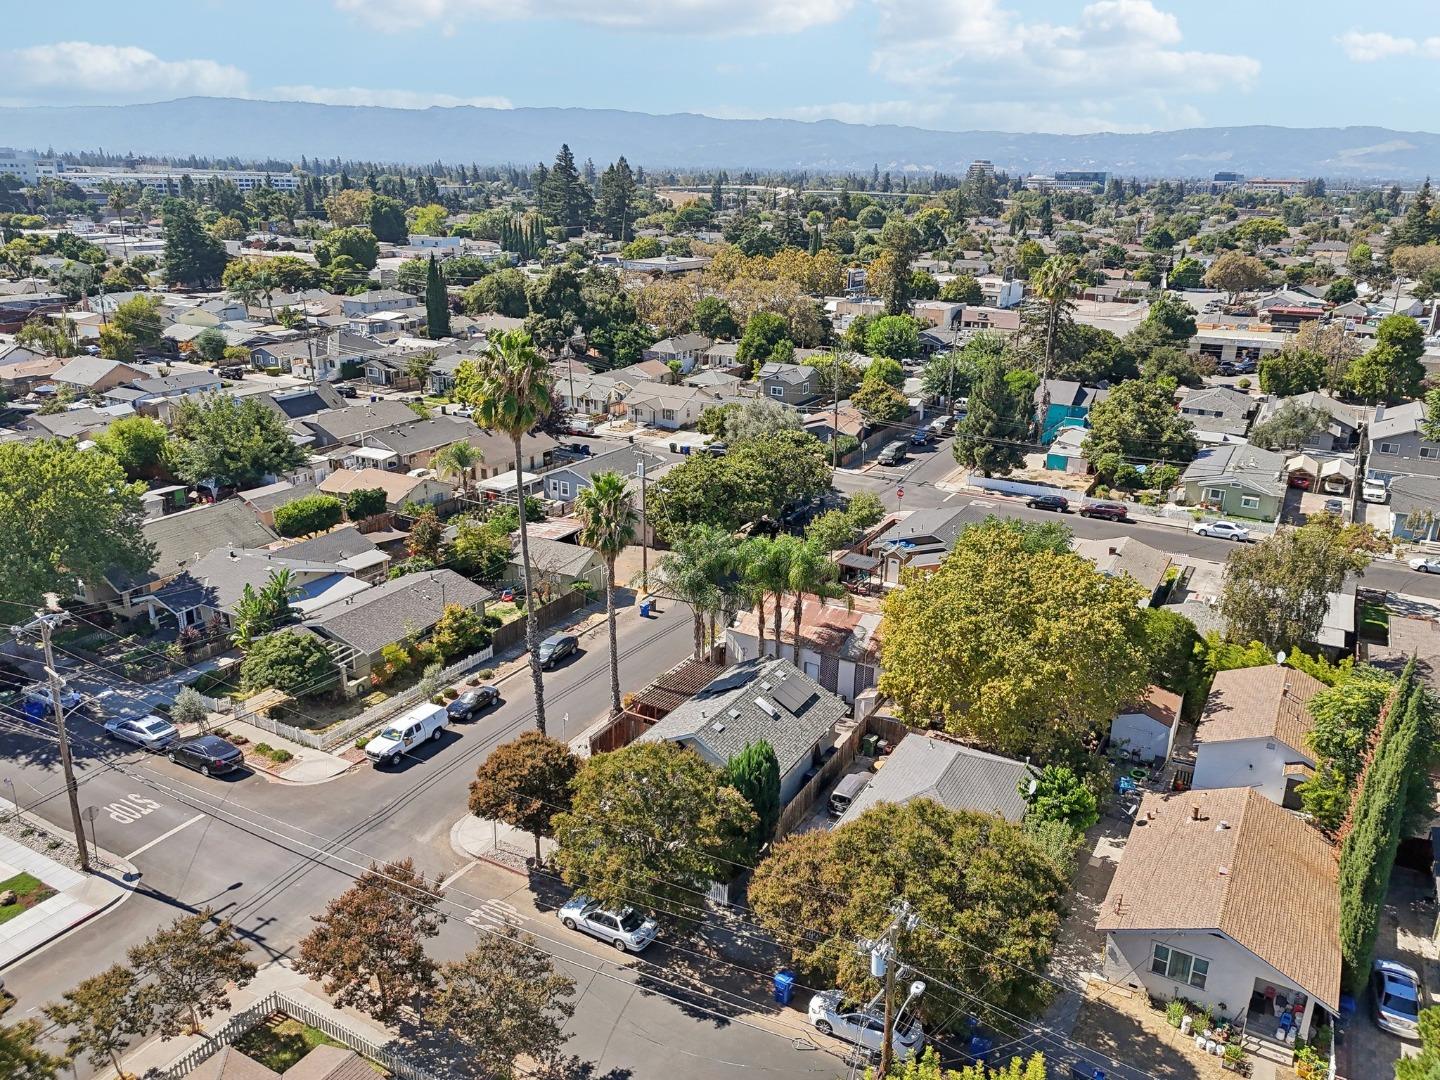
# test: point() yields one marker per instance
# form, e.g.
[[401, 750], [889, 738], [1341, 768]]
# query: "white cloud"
[[390, 99], [73, 70], [1367, 47], [709, 17]]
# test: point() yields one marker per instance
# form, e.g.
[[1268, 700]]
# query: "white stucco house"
[[1228, 900], [1147, 730], [1253, 732]]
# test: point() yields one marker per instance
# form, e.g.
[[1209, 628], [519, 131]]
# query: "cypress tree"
[[437, 303], [815, 240]]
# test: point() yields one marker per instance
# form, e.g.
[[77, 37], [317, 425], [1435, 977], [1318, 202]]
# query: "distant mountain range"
[[257, 130]]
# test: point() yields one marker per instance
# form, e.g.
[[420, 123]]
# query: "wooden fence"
[[514, 632], [798, 808]]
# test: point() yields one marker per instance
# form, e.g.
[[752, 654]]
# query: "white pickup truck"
[[405, 733]]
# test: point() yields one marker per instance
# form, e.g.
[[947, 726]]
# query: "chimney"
[[1114, 550], [1195, 812]]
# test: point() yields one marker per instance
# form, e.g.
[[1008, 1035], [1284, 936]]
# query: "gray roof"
[[1229, 403], [1409, 494], [681, 343], [170, 383], [791, 374], [385, 614], [379, 296], [314, 399], [1065, 392], [1397, 419], [952, 775], [277, 494], [180, 538], [87, 370], [941, 523], [1241, 463], [726, 716], [713, 379], [555, 556], [625, 461], [418, 436], [218, 580], [343, 543], [372, 416]]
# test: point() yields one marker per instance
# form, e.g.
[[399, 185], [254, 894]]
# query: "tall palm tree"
[[244, 290], [511, 390], [1053, 284], [702, 570], [607, 512], [266, 282], [458, 460], [767, 570], [812, 573]]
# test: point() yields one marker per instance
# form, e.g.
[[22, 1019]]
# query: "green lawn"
[[1374, 623], [29, 891], [281, 1043]]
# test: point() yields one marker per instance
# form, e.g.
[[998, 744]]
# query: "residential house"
[[360, 626], [587, 393], [22, 369], [925, 766], [94, 374], [1066, 404], [267, 499], [206, 592], [685, 349], [497, 453], [323, 430], [1066, 452], [1125, 556], [790, 384], [759, 699], [1227, 900], [722, 356], [916, 539], [1228, 344], [1237, 479], [555, 566], [1000, 292], [416, 443], [720, 383], [1253, 732], [1415, 508], [181, 540], [1398, 446], [564, 483], [375, 301], [1146, 730], [303, 401], [644, 371], [213, 313], [1219, 413], [346, 547], [665, 406], [398, 487], [1340, 434], [839, 646], [172, 388], [74, 423], [940, 314], [990, 317]]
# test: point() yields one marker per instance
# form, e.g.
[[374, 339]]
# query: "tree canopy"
[[233, 442]]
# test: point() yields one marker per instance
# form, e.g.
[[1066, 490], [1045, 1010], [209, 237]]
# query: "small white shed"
[[1147, 730]]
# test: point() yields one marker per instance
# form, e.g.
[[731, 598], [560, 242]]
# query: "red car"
[[1110, 511]]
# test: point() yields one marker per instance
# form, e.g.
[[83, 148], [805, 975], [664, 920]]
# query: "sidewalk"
[[78, 897], [308, 767], [278, 976], [479, 838]]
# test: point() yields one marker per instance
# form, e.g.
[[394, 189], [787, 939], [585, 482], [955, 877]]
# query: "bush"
[[280, 757], [362, 742], [451, 693], [295, 663], [308, 514], [264, 748], [1175, 1012]]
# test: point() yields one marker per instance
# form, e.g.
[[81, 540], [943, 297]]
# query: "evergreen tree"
[[192, 256], [1419, 225], [815, 240], [617, 198], [563, 197], [716, 195], [755, 773], [988, 439], [437, 303]]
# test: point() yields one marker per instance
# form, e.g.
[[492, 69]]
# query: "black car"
[[209, 755], [556, 647], [579, 449], [922, 437], [891, 454], [471, 702], [347, 391], [1058, 503]]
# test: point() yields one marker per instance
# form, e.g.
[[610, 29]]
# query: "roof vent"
[[767, 707], [1222, 826]]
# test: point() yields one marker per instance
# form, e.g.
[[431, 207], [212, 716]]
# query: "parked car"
[[1426, 566], [1222, 530], [462, 410], [892, 453], [148, 732], [716, 449], [471, 702], [406, 732], [555, 648], [1058, 503], [579, 449], [69, 699], [1108, 511], [832, 1015], [347, 391], [209, 755], [579, 425], [1335, 506], [627, 929], [1399, 997], [922, 437], [945, 424], [1375, 491]]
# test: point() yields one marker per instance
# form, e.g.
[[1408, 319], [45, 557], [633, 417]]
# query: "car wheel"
[[620, 945], [171, 756], [568, 923], [823, 1026], [436, 733], [204, 769]]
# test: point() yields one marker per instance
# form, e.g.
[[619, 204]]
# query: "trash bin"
[[784, 986], [870, 745], [645, 608]]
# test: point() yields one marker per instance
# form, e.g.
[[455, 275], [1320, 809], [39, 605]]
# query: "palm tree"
[[457, 460], [243, 289], [701, 570], [812, 572], [510, 388], [266, 283], [608, 514], [1053, 283], [767, 570]]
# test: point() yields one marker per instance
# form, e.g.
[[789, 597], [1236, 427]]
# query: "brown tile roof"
[[230, 1064], [330, 1063], [1268, 881], [1161, 706], [669, 691], [1259, 703]]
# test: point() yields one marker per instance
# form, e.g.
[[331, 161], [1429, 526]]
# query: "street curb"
[[473, 857], [127, 891]]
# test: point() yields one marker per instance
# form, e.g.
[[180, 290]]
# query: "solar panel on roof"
[[794, 694]]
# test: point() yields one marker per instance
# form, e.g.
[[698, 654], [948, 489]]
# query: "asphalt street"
[[269, 855], [930, 465]]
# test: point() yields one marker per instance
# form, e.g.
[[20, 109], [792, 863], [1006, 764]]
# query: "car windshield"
[[631, 920], [153, 727], [391, 733], [1404, 1006]]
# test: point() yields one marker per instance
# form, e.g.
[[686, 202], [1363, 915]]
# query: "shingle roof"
[[681, 343], [410, 604], [343, 543], [1125, 555], [1160, 705], [952, 775], [179, 538], [556, 557], [1269, 702], [1243, 463], [344, 423], [230, 1064], [1268, 882], [726, 716], [793, 374], [1395, 419], [417, 436], [88, 370], [397, 486], [330, 1063], [184, 381]]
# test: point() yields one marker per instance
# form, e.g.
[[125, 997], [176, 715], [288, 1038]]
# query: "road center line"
[[163, 836]]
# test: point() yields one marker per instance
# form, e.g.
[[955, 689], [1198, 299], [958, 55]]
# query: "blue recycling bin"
[[1086, 1072], [784, 986], [644, 609]]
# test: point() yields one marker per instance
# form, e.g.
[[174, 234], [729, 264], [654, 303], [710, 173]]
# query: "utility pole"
[[48, 619], [644, 538], [883, 963]]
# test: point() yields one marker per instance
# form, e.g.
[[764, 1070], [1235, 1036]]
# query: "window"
[[1215, 494], [805, 388], [777, 391], [1250, 502], [1430, 451], [668, 414], [1180, 966], [1388, 448], [563, 487]]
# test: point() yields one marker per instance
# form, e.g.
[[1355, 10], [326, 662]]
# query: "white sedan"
[[832, 1015], [627, 929], [1426, 566], [148, 732], [1222, 530]]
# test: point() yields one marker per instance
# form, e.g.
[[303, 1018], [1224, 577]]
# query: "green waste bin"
[[870, 745]]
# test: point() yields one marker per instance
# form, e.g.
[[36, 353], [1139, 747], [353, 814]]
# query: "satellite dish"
[[1280, 657]]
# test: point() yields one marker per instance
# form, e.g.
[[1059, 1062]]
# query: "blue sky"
[[1012, 65]]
